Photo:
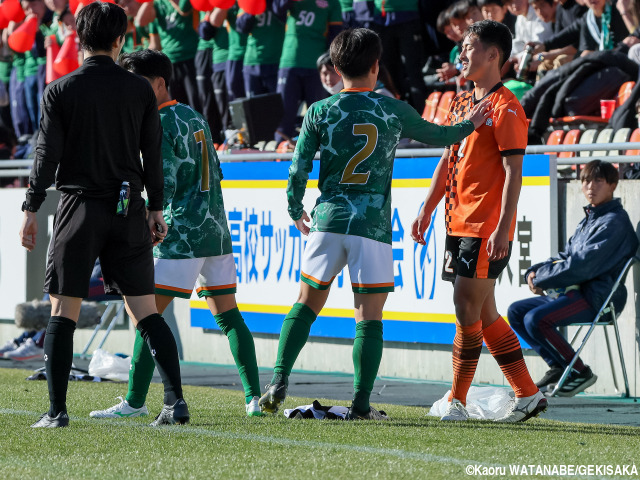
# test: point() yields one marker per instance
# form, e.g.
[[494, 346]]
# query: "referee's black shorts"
[[87, 228]]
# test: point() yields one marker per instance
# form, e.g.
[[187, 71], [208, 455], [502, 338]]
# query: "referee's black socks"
[[157, 334], [58, 356]]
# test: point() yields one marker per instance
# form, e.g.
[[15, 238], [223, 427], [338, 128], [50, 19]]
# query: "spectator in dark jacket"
[[577, 280]]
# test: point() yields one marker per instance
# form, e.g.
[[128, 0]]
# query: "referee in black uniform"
[[95, 122]]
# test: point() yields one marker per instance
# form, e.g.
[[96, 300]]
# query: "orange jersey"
[[475, 176]]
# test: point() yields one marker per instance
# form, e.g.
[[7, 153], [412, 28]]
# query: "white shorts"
[[370, 262], [214, 276]]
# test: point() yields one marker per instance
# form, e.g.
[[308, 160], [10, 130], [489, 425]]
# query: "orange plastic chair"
[[571, 138], [431, 106], [624, 92], [555, 138], [443, 107], [635, 137]]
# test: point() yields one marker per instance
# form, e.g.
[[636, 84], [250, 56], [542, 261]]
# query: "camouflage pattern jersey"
[[357, 133], [193, 207]]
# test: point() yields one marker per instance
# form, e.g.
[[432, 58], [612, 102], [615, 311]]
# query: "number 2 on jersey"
[[204, 169], [349, 176]]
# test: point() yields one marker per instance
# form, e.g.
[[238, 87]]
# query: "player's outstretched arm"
[[498, 243], [435, 194], [414, 126]]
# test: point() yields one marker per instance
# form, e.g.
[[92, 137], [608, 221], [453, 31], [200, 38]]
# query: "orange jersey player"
[[480, 178]]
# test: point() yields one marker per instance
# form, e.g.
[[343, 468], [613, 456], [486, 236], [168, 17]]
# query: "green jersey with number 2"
[[357, 133], [193, 206]]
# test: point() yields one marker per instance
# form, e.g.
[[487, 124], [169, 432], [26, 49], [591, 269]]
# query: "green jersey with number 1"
[[306, 33], [357, 133], [193, 206]]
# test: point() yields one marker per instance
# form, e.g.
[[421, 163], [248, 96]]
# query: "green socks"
[[141, 372], [367, 353], [293, 336], [243, 350]]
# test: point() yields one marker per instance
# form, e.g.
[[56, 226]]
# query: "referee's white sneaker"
[[456, 412], [522, 409], [121, 410]]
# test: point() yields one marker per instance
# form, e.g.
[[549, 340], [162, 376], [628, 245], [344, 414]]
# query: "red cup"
[[606, 108]]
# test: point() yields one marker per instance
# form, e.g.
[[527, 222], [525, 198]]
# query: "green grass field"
[[220, 442]]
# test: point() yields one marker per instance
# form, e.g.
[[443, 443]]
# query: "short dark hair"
[[484, 3], [550, 2], [599, 169], [148, 63], [324, 60], [461, 8], [99, 24], [493, 34], [444, 19], [355, 51]]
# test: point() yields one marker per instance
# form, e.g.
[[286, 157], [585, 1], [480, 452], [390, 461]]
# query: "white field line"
[[268, 439]]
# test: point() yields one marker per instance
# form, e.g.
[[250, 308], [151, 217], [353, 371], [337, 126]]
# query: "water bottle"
[[524, 63]]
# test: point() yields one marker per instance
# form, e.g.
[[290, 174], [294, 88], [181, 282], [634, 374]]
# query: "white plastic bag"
[[107, 365], [483, 403]]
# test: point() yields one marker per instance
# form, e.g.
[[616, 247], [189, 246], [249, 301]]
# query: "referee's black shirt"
[[94, 124]]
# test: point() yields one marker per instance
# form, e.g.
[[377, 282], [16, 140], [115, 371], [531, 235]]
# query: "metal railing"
[[22, 168]]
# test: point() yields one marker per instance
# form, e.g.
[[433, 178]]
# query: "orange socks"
[[467, 346], [505, 348]]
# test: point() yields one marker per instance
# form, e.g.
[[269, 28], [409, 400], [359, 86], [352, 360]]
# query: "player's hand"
[[28, 231], [300, 225], [480, 112], [498, 245], [420, 225], [157, 226], [535, 290]]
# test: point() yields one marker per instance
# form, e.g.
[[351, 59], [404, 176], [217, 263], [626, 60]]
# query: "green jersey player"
[[357, 132], [198, 244]]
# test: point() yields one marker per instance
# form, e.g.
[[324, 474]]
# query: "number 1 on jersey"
[[349, 176], [204, 170]]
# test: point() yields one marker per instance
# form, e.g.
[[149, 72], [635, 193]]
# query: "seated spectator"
[[562, 46], [577, 280], [449, 69], [529, 28], [463, 13], [593, 36], [498, 11]]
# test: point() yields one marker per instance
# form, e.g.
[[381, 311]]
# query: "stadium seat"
[[623, 95], [606, 316], [635, 137], [571, 138], [555, 138], [624, 92], [587, 138], [431, 106], [443, 107], [604, 136], [621, 136]]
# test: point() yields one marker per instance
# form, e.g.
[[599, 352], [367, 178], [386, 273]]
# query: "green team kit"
[[193, 206], [306, 31], [264, 45], [357, 133], [177, 35]]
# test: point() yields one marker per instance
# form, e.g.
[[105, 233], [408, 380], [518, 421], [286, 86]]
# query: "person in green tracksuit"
[[173, 23], [264, 47]]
